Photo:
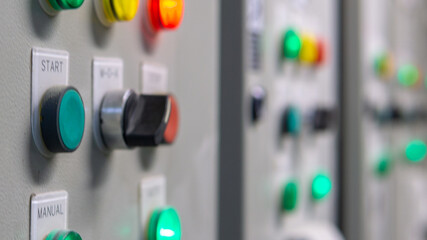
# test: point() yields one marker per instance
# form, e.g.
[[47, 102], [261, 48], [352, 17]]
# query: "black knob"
[[145, 119], [258, 96], [323, 119], [130, 120]]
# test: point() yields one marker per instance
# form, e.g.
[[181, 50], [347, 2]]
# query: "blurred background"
[[213, 119]]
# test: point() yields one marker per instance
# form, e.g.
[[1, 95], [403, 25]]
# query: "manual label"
[[48, 212], [152, 196]]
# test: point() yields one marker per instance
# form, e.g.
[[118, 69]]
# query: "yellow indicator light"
[[309, 51], [125, 10], [110, 11]]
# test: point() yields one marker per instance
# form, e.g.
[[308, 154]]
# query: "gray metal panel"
[[103, 189], [351, 120]]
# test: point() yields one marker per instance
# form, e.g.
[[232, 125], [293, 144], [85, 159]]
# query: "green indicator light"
[[65, 4], [290, 196], [321, 186], [416, 151], [408, 75], [71, 119], [164, 225], [383, 166], [291, 44], [63, 235]]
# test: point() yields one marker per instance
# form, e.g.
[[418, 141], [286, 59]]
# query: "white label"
[[49, 211], [107, 75], [154, 79], [49, 68], [153, 195], [255, 16]]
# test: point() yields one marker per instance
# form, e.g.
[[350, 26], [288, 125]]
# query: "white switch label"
[[49, 68], [107, 75], [49, 211], [153, 195], [154, 79]]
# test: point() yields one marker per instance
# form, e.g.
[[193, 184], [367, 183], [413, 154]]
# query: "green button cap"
[[408, 75], [290, 196], [71, 119], [65, 4], [292, 121], [321, 186], [291, 44], [63, 235], [416, 151], [164, 225], [383, 166]]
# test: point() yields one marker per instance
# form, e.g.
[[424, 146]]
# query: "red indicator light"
[[321, 52], [166, 14]]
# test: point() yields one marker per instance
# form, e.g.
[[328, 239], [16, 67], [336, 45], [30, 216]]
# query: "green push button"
[[62, 119], [321, 186], [63, 235], [416, 151], [291, 123], [164, 225], [383, 166], [71, 119], [408, 75], [65, 4], [291, 44], [290, 196]]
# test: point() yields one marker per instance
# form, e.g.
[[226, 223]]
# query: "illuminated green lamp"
[[321, 186], [290, 196], [164, 225], [408, 75], [416, 151], [383, 165], [63, 235], [65, 4], [291, 44]]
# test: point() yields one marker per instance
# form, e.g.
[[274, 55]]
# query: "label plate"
[[49, 211]]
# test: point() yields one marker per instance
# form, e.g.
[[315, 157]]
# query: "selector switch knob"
[[131, 120], [258, 96], [62, 119], [323, 119]]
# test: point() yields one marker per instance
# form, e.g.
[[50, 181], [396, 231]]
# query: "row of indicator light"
[[415, 152], [164, 224], [321, 187], [303, 47], [163, 14], [408, 75]]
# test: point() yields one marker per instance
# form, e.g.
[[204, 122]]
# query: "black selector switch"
[[258, 96], [131, 120], [145, 120], [323, 119]]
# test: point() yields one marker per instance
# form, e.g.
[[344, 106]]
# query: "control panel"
[[109, 119], [392, 130]]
